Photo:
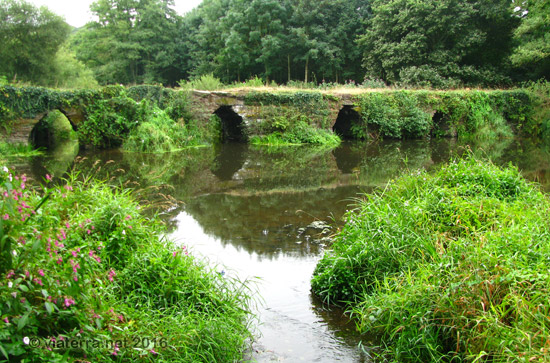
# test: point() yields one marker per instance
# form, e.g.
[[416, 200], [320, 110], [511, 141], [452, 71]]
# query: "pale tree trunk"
[[307, 64], [288, 59]]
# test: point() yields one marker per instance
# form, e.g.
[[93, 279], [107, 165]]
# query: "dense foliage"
[[445, 43], [79, 263], [29, 40], [439, 43], [533, 51], [447, 266]]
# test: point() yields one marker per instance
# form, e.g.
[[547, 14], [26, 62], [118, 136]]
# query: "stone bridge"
[[230, 107]]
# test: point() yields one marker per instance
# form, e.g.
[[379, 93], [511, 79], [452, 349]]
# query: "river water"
[[266, 215]]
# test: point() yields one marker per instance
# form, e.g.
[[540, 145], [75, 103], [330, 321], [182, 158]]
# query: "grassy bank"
[[447, 267], [85, 277]]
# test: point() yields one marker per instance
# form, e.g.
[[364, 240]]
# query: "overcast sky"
[[77, 12]]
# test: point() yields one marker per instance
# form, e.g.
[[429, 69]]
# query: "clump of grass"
[[206, 82], [159, 133], [295, 131], [449, 266], [18, 150], [79, 263]]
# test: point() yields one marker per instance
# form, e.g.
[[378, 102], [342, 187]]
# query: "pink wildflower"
[[112, 274], [38, 281], [6, 321], [67, 225], [152, 351], [115, 352], [41, 272], [48, 177], [69, 301], [68, 187], [6, 217]]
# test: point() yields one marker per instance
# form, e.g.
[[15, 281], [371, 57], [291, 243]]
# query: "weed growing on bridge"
[[449, 266]]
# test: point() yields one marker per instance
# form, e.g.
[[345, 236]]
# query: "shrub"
[[397, 115], [110, 120], [449, 266], [160, 134], [206, 82], [295, 130]]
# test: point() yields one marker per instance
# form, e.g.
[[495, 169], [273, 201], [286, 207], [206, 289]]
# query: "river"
[[266, 215]]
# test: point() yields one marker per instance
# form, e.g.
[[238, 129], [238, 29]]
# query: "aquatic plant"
[[447, 266]]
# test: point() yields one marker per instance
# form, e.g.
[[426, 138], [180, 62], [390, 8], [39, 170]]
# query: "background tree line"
[[439, 43]]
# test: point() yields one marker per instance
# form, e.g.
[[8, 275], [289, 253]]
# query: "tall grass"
[[447, 267], [295, 130], [18, 149], [79, 263], [159, 133]]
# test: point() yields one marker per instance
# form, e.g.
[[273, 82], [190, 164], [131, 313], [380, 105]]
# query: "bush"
[[294, 130], [161, 134], [110, 120], [447, 266], [78, 263], [397, 115], [206, 82]]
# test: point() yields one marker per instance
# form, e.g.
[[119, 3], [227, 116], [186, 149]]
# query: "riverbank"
[[84, 275], [450, 265]]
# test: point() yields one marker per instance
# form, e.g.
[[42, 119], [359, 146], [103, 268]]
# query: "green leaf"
[[23, 321], [49, 307], [4, 352]]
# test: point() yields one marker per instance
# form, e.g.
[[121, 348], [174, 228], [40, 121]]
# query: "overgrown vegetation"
[[79, 265], [466, 114], [17, 150], [159, 133], [295, 131], [449, 266]]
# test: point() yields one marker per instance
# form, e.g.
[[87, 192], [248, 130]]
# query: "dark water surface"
[[250, 210]]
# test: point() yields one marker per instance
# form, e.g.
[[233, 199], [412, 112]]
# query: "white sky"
[[77, 12]]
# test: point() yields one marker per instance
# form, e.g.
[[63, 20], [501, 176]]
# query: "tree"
[[29, 40], [131, 42], [438, 42], [533, 37]]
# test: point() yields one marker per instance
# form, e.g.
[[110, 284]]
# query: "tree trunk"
[[307, 64], [288, 58]]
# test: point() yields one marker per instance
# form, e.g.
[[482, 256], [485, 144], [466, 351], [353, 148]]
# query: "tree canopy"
[[29, 40], [439, 43], [533, 37]]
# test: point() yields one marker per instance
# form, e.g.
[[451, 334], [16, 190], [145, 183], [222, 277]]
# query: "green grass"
[[18, 150], [296, 133], [447, 267], [159, 134], [89, 267]]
